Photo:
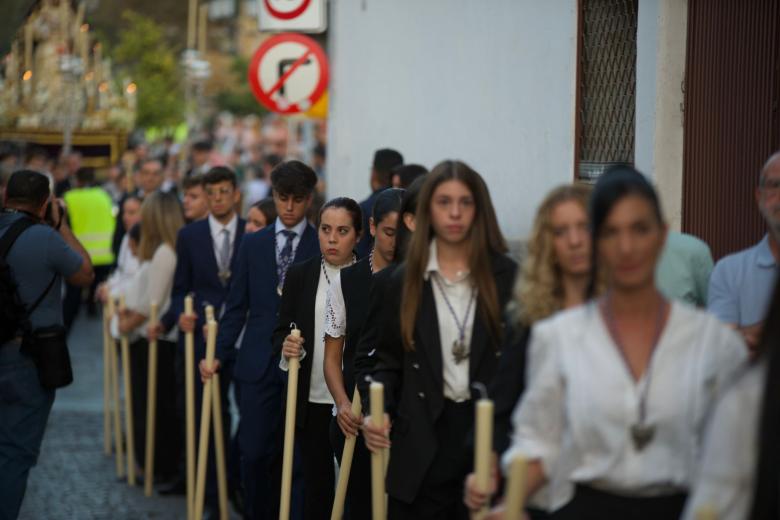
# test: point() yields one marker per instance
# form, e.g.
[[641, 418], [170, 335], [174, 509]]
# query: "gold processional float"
[[58, 90]]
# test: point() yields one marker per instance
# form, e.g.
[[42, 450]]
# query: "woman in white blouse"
[[739, 473], [303, 306], [623, 384], [161, 219]]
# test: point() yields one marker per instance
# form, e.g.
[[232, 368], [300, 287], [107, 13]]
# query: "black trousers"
[[319, 472], [441, 493], [73, 295], [593, 504], [358, 502], [168, 443]]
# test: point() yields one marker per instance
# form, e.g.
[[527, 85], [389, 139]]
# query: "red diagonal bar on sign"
[[289, 72]]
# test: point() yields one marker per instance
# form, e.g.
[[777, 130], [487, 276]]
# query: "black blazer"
[[365, 358], [297, 306], [509, 382], [414, 382], [355, 285]]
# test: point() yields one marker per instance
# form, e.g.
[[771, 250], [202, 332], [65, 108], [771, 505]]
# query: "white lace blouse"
[[335, 309]]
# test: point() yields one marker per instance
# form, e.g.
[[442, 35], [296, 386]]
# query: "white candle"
[[64, 20], [192, 15], [377, 397], [515, 489], [483, 447], [202, 28], [28, 47]]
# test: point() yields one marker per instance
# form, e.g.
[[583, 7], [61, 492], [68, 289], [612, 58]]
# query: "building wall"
[[661, 46], [491, 83]]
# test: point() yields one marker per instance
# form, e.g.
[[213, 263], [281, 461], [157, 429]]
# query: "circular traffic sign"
[[288, 73], [299, 6]]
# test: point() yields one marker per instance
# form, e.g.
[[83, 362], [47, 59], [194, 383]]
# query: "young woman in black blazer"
[[442, 333], [346, 309], [303, 304]]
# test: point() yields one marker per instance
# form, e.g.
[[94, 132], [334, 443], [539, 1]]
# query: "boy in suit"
[[206, 258], [263, 260]]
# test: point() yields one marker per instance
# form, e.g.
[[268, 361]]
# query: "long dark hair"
[[615, 184], [408, 205], [765, 499], [486, 240]]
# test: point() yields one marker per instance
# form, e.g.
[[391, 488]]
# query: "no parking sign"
[[288, 73], [292, 15]]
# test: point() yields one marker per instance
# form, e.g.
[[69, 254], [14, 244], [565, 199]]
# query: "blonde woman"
[[161, 219], [555, 276]]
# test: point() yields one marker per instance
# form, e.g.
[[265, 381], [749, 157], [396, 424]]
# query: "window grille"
[[607, 85]]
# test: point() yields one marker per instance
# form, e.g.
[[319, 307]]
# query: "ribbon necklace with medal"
[[460, 351], [325, 272], [641, 432]]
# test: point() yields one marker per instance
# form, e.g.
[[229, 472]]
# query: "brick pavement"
[[73, 479]]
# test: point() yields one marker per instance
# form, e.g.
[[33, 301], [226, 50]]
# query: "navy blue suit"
[[197, 274], [253, 301]]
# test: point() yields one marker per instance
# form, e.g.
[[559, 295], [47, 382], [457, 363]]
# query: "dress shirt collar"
[[433, 266], [764, 256], [215, 227], [298, 228]]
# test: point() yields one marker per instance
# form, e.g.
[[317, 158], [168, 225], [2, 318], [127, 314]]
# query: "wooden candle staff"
[[378, 507], [219, 436], [205, 423], [706, 512], [189, 392], [515, 489], [107, 311], [117, 409], [346, 464], [125, 343], [151, 405], [210, 397], [483, 449], [294, 364]]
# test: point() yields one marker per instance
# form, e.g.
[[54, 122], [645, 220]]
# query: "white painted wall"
[[661, 51], [488, 82]]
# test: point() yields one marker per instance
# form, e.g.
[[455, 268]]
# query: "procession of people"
[[623, 399]]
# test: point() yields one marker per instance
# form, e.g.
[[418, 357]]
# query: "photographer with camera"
[[37, 250]]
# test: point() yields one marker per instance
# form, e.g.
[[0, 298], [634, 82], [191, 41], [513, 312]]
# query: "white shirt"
[[725, 480], [298, 228], [215, 228], [581, 402], [126, 266], [152, 283], [458, 293]]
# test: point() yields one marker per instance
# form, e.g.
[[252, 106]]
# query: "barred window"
[[607, 85]]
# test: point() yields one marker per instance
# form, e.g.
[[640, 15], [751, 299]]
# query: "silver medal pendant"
[[459, 351], [642, 435], [279, 289]]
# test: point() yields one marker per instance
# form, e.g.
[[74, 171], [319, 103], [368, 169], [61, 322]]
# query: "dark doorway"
[[732, 89]]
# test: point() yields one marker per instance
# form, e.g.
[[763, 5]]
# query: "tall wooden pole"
[[117, 408], [346, 464], [151, 408], [189, 383], [294, 365], [125, 342], [378, 507]]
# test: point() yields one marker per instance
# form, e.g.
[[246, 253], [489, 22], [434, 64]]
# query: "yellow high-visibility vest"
[[92, 221]]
